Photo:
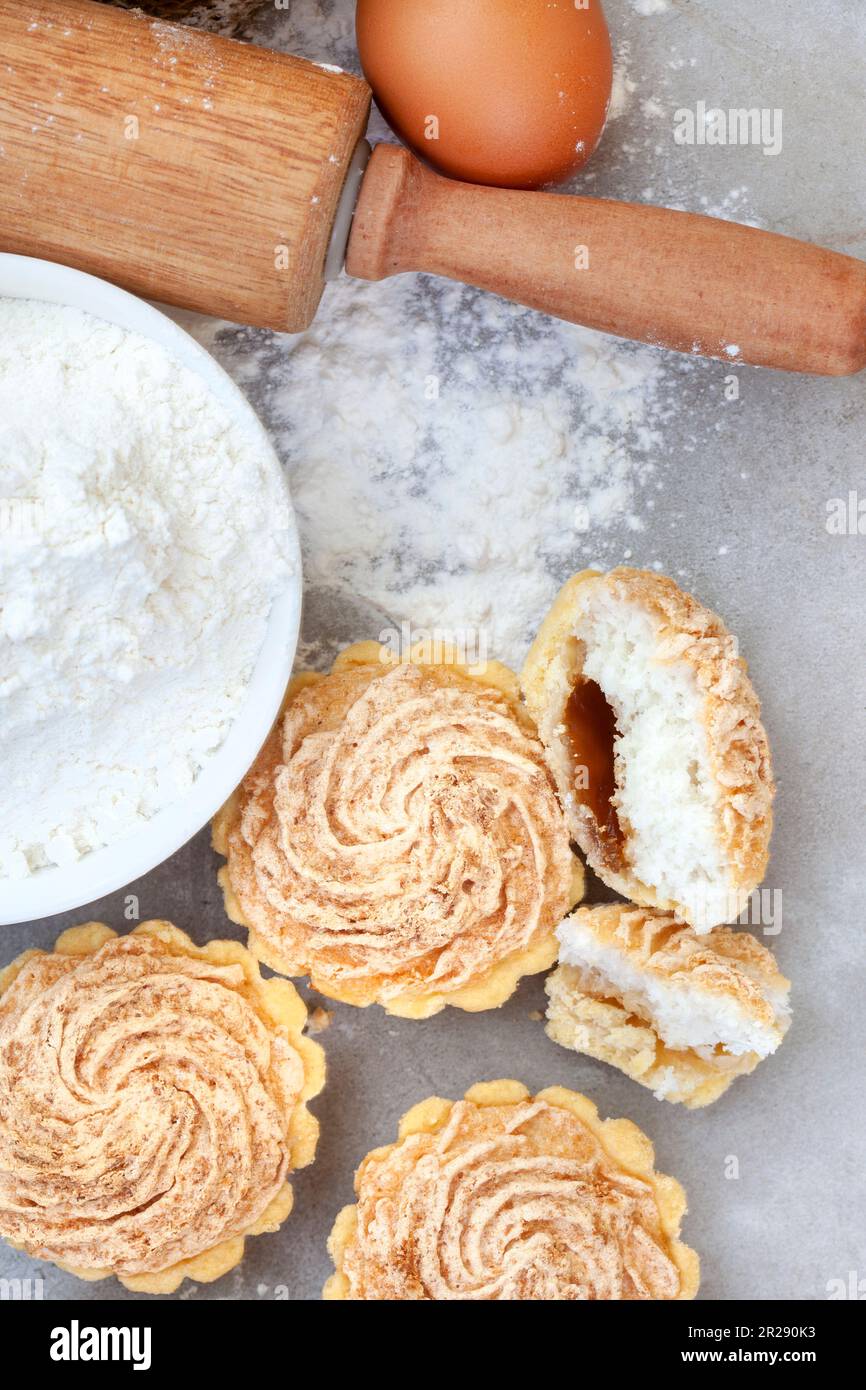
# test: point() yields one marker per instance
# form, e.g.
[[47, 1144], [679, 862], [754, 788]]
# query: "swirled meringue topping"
[[400, 834], [505, 1202], [145, 1102]]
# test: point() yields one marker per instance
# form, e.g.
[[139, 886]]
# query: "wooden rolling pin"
[[224, 177]]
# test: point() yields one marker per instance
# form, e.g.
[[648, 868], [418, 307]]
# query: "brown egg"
[[508, 92]]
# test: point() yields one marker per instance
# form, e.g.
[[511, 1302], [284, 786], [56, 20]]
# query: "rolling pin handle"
[[678, 280], [336, 257]]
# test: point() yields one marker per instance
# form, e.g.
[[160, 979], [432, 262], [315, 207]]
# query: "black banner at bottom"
[[201, 1337]]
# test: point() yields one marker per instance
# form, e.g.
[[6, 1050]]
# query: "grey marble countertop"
[[793, 1218]]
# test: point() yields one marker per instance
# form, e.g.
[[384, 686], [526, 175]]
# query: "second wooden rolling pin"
[[234, 180]]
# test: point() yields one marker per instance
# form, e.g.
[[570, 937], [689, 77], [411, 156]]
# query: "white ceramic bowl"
[[58, 889]]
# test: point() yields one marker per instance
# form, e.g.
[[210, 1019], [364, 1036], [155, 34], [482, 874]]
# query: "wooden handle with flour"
[[695, 284], [211, 174]]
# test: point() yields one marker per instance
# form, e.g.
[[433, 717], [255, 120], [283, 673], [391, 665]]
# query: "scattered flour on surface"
[[624, 87], [448, 452], [228, 17], [647, 8]]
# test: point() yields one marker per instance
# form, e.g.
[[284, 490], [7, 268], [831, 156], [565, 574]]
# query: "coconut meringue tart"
[[152, 1104], [502, 1196], [683, 1014], [399, 839], [653, 733]]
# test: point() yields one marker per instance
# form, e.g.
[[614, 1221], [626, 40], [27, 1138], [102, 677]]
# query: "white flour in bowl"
[[143, 537]]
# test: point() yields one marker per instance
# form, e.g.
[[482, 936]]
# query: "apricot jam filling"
[[590, 725]]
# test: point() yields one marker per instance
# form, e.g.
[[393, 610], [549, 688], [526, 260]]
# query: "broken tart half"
[[653, 733]]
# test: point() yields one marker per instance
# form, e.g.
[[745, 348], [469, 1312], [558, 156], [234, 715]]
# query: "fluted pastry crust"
[[689, 636], [647, 986], [399, 839], [502, 1196], [152, 1104]]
